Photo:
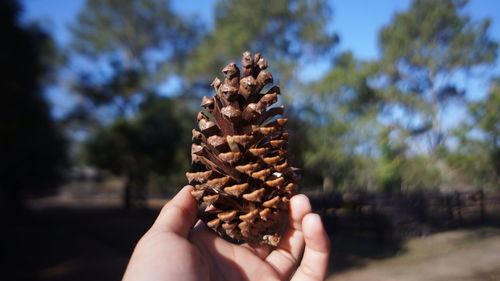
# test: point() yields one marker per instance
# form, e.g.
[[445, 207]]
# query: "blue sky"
[[356, 21]]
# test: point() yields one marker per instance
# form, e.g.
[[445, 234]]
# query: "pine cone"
[[244, 181]]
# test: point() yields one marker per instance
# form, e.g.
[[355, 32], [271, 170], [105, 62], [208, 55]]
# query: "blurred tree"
[[152, 145], [423, 51], [31, 147], [486, 115], [284, 31], [419, 173], [478, 154], [389, 167], [470, 163], [341, 112], [127, 48]]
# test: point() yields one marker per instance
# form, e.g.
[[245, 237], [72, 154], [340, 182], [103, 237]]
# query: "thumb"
[[179, 214]]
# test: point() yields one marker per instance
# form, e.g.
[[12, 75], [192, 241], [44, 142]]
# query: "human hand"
[[172, 250]]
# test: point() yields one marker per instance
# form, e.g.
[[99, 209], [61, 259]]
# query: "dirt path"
[[465, 255]]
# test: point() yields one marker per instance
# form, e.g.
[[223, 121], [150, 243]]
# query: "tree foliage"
[[423, 51], [476, 158], [389, 166], [285, 31], [341, 110], [485, 113], [131, 46], [153, 146], [369, 113], [355, 127]]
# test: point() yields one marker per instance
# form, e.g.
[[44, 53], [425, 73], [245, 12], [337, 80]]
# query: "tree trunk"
[[328, 183], [127, 194], [135, 193]]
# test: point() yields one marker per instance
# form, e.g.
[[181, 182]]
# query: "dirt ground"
[[67, 239], [461, 255]]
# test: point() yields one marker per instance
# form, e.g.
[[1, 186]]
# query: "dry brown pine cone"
[[244, 181]]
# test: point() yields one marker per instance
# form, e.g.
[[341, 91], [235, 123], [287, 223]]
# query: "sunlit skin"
[[173, 250]]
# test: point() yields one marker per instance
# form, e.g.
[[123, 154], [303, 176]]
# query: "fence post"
[[482, 210], [449, 208], [458, 204]]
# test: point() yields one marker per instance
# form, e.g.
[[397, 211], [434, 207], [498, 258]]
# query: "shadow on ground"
[[355, 248], [62, 243], [95, 243], [71, 244]]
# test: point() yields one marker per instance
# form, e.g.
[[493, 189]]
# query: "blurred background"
[[394, 111]]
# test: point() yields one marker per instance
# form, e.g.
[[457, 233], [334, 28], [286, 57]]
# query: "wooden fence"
[[405, 214]]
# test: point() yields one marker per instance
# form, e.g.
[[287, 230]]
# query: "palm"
[[171, 250], [227, 261]]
